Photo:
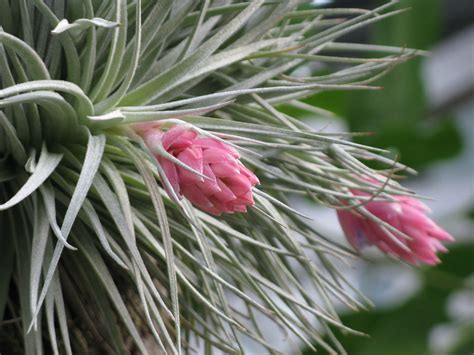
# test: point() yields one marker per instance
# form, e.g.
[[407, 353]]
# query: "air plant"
[[123, 123]]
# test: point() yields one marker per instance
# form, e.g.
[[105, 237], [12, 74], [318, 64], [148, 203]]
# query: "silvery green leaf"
[[45, 166], [82, 24]]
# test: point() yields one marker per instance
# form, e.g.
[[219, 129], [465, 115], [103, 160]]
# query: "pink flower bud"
[[228, 188], [409, 216]]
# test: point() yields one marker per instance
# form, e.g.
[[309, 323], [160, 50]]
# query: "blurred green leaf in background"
[[398, 115], [406, 329]]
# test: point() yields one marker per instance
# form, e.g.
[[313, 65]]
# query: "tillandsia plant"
[[145, 170]]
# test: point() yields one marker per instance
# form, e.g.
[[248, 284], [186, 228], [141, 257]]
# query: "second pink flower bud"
[[406, 215]]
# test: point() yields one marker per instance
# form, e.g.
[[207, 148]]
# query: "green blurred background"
[[437, 318]]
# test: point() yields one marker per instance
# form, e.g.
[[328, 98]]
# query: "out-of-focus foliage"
[[398, 116], [406, 329]]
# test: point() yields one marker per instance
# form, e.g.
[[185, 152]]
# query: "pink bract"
[[228, 188], [409, 216]]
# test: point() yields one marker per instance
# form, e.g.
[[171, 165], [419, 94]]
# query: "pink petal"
[[224, 207], [353, 228], [217, 155], [240, 208], [248, 174], [178, 137], [440, 234], [171, 173], [437, 246], [226, 169], [195, 195], [209, 186], [239, 184], [226, 194], [246, 198], [425, 253], [192, 157], [387, 211], [417, 204], [209, 143]]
